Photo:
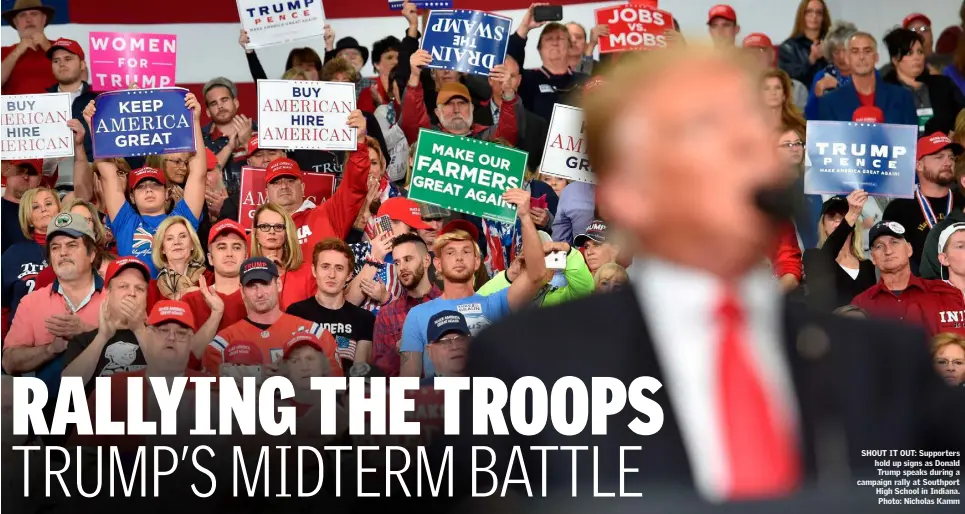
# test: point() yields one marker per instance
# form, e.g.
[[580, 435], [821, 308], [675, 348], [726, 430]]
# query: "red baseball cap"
[[171, 310], [65, 44], [404, 210], [123, 263], [757, 40], [913, 17], [35, 164], [244, 353], [141, 174], [463, 225], [721, 11], [302, 339], [282, 167], [226, 226], [935, 143], [212, 159], [868, 114], [253, 144]]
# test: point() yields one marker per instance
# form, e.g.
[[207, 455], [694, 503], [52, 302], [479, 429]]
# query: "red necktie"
[[760, 451]]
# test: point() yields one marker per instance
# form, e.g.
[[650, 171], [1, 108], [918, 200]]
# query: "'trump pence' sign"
[[305, 115], [277, 22], [466, 175], [633, 27], [35, 126], [565, 151], [136, 122], [466, 41], [119, 60], [843, 156]]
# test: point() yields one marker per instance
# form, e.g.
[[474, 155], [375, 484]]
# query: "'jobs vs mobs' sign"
[[633, 27]]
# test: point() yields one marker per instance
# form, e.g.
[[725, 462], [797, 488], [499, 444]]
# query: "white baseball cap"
[[947, 233]]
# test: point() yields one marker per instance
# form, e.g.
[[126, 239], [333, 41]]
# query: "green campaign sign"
[[466, 175]]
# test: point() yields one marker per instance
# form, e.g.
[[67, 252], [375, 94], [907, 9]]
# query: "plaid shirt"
[[214, 140], [388, 330]]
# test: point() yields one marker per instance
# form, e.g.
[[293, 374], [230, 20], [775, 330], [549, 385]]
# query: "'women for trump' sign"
[[119, 60]]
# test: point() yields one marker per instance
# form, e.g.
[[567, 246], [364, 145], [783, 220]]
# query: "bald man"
[[681, 149]]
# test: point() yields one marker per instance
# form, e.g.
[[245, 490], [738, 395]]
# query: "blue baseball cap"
[[446, 322]]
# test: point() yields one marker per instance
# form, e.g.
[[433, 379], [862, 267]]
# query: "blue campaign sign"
[[466, 41], [843, 156], [396, 5], [138, 122]]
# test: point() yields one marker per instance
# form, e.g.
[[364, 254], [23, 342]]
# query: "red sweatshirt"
[[786, 257], [414, 117]]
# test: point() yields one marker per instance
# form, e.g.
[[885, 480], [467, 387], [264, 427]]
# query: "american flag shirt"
[[386, 275]]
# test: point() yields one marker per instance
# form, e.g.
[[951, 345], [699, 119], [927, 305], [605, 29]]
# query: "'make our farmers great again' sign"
[[633, 27], [466, 175], [35, 126], [305, 115]]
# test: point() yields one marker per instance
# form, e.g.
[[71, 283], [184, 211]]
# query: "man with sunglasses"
[[448, 335], [921, 25]]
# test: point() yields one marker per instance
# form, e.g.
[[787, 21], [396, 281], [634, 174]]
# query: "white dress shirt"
[[680, 308]]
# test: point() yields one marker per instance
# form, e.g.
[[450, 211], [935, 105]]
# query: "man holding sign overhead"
[[134, 226], [454, 106]]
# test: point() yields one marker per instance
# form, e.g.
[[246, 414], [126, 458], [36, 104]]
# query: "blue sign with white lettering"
[[466, 41], [396, 5], [843, 156], [139, 122]]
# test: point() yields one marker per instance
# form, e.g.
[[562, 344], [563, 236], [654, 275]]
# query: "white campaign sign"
[[565, 151], [277, 22], [35, 126], [305, 115]]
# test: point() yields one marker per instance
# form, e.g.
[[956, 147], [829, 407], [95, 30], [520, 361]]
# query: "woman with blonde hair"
[[776, 91], [610, 277], [276, 237], [24, 260], [948, 354], [179, 258], [295, 74], [837, 269]]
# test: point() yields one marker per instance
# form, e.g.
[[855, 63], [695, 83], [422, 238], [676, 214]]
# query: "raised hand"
[[528, 23], [78, 128], [211, 297], [356, 120], [243, 40], [191, 102], [89, 113], [519, 198]]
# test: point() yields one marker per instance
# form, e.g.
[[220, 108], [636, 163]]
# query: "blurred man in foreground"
[[742, 379]]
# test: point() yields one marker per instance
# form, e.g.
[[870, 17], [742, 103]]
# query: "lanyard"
[[70, 304], [926, 209]]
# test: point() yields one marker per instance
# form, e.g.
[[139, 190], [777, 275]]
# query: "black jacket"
[[946, 99], [794, 58], [824, 277], [893, 399], [77, 112]]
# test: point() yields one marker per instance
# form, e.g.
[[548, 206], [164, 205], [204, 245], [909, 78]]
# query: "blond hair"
[[609, 271], [451, 237], [294, 74], [291, 255], [637, 72], [944, 339], [26, 206], [157, 252], [857, 239]]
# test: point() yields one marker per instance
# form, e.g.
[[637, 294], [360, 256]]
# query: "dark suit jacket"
[[859, 385], [894, 101], [946, 99]]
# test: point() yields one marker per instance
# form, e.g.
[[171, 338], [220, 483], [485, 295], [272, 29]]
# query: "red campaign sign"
[[633, 27], [318, 188]]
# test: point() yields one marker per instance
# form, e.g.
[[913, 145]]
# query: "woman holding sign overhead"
[[135, 226]]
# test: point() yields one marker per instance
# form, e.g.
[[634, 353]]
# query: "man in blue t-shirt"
[[134, 225], [457, 257]]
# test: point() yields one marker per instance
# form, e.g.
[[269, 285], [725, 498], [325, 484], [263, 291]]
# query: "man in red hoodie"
[[335, 217]]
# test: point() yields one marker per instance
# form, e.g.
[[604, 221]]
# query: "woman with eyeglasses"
[[179, 258], [276, 238], [802, 55], [837, 268], [937, 100], [948, 354]]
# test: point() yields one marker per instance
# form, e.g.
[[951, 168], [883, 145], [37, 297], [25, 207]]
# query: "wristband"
[[372, 261]]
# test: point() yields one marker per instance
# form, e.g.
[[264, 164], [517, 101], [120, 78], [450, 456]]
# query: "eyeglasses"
[[180, 163], [266, 227], [789, 145], [944, 362], [448, 342], [922, 29], [178, 334]]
